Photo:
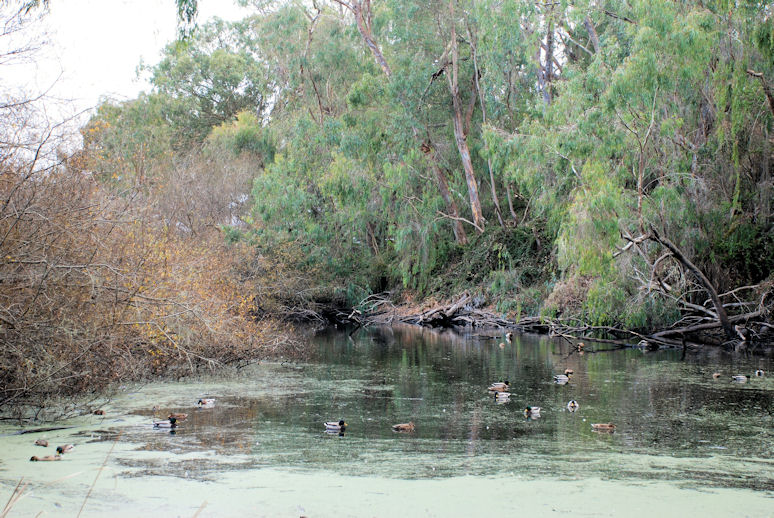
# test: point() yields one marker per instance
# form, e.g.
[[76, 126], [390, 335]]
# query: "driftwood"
[[724, 319]]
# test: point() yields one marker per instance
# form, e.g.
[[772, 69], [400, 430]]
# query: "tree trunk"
[[459, 129], [443, 185], [593, 36], [467, 164], [477, 85], [362, 12]]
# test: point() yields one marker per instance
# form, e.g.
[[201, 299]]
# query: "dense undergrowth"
[[290, 165]]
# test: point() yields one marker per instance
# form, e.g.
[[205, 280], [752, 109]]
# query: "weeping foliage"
[[584, 122]]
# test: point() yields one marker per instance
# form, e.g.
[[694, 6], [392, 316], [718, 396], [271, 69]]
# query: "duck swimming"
[[715, 375], [502, 397], [403, 427], [333, 426], [206, 402], [508, 337], [602, 427], [532, 411], [561, 379], [67, 448], [35, 458], [500, 386], [41, 442], [573, 406], [739, 378], [760, 373], [178, 416], [171, 423]]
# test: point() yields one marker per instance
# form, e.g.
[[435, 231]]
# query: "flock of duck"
[[60, 450], [501, 395], [498, 389]]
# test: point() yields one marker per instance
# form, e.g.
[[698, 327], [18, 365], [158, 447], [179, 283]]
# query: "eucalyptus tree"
[[211, 77]]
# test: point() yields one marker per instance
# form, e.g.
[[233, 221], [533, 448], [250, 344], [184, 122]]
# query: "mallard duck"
[[206, 402], [569, 372], [403, 427], [561, 379], [41, 442], [508, 337], [501, 345], [35, 458], [715, 375], [333, 426], [580, 346], [502, 397], [532, 411], [99, 412], [603, 427], [760, 373], [739, 378], [573, 406], [178, 416], [170, 423], [500, 386], [66, 448]]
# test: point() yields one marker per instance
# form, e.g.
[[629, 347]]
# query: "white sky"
[[97, 45]]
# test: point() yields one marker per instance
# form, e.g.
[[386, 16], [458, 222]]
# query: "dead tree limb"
[[711, 291]]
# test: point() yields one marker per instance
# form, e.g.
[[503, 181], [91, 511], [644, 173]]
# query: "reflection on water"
[[275, 414], [673, 421]]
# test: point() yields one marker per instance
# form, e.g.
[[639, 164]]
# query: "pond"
[[685, 443]]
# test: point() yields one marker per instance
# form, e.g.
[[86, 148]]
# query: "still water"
[[685, 443]]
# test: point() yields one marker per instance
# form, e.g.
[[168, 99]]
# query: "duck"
[[603, 427], [739, 378], [501, 345], [500, 386], [580, 346], [99, 412], [715, 375], [403, 427], [569, 372], [206, 402], [532, 411], [35, 458], [508, 337], [760, 373], [178, 416], [41, 442], [170, 423], [66, 448], [573, 406], [502, 397], [561, 379], [333, 426]]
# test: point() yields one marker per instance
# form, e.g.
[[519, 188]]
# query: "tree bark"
[[459, 128], [363, 18], [593, 36]]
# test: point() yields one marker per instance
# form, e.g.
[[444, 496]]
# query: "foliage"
[[581, 124]]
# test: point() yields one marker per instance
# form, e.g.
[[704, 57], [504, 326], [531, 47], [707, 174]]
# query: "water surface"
[[684, 442]]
